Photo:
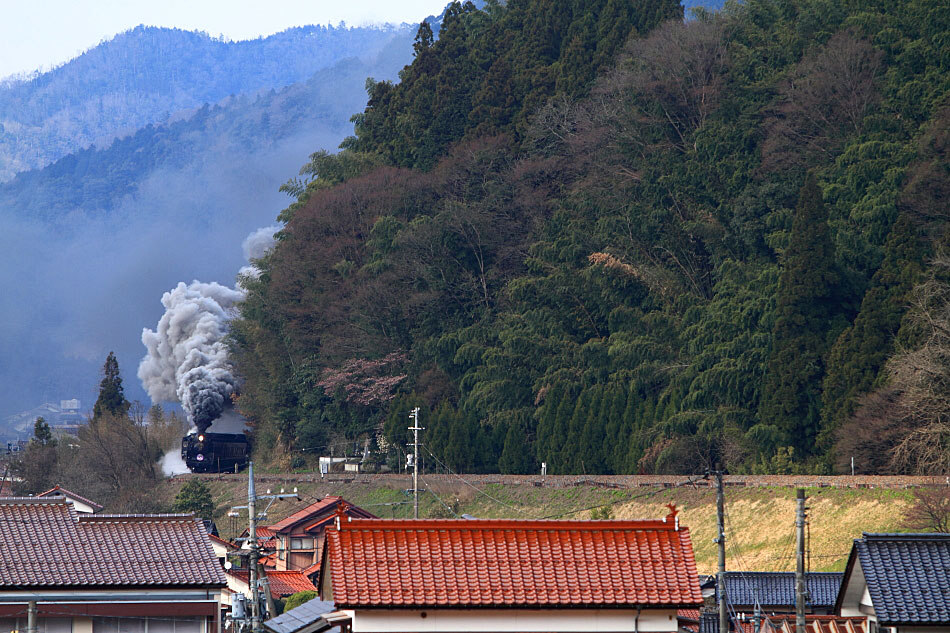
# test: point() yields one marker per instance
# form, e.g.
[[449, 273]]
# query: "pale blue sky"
[[38, 34]]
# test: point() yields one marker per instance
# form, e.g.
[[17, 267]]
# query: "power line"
[[649, 493], [473, 487], [454, 513]]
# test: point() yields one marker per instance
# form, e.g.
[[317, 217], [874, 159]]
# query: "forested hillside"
[[146, 74], [589, 233]]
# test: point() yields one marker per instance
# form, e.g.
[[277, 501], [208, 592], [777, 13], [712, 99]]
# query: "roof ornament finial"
[[672, 516], [341, 507]]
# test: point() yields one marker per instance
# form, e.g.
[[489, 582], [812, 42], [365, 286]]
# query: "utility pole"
[[255, 572], [31, 617], [415, 428], [721, 542], [252, 562], [800, 588]]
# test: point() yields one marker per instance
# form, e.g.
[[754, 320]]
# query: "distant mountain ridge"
[[96, 181], [143, 75]]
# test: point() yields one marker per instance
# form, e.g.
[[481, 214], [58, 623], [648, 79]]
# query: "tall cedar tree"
[[855, 361], [111, 395], [805, 305], [42, 434]]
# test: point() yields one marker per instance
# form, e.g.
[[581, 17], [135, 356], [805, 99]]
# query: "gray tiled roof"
[[908, 576], [44, 543], [778, 588], [308, 613]]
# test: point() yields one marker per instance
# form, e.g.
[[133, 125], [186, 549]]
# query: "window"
[[43, 625], [174, 625], [144, 625], [55, 625], [301, 543]]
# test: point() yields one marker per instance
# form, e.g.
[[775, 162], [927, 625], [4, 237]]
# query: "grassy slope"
[[759, 524]]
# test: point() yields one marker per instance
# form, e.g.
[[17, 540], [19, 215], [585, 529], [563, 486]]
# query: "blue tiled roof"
[[301, 617], [908, 576], [774, 589]]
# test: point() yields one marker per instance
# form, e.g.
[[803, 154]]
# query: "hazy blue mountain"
[[93, 182], [145, 74], [709, 5], [91, 241]]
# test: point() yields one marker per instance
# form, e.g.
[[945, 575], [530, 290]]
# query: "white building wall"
[[512, 620]]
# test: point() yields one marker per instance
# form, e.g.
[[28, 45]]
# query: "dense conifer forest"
[[595, 234]]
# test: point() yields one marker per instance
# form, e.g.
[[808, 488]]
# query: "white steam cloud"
[[256, 246], [187, 357], [172, 464]]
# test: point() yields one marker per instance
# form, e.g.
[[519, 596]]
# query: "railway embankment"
[[760, 509]]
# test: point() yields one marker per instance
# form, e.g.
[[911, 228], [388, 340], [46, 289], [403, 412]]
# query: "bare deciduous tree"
[[676, 75], [824, 100], [923, 376], [909, 420], [877, 426], [929, 511]]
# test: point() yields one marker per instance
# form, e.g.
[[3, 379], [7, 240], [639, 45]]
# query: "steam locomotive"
[[214, 452]]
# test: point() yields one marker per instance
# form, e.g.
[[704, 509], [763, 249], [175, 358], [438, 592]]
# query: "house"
[[222, 549], [781, 623], [506, 576], [266, 539], [785, 623], [899, 581], [80, 503], [280, 583], [101, 573], [774, 592], [298, 539]]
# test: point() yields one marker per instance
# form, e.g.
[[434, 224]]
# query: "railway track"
[[896, 482]]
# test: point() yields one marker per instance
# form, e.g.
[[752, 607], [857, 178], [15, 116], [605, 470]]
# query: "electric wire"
[[470, 485], [736, 553], [426, 483], [649, 493]]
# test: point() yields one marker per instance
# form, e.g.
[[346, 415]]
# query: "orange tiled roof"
[[281, 583], [266, 539], [485, 563], [220, 541], [326, 506], [820, 624], [688, 614], [270, 560], [285, 583], [265, 534]]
